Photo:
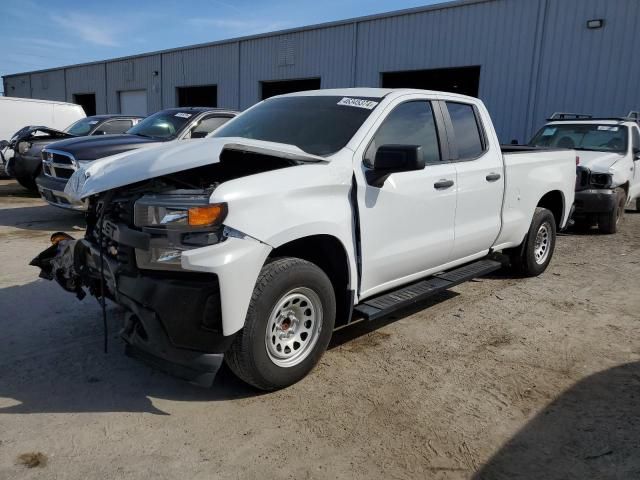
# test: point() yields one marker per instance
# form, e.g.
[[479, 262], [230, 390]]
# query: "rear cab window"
[[470, 138]]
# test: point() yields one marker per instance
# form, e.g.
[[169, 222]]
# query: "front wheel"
[[533, 256], [609, 222], [288, 326], [27, 182]]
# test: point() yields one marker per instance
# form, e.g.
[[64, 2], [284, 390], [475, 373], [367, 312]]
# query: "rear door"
[[407, 224], [479, 169]]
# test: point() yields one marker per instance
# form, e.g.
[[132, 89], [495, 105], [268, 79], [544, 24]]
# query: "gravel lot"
[[499, 378]]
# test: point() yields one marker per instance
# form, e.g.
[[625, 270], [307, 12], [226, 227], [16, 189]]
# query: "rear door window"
[[467, 130]]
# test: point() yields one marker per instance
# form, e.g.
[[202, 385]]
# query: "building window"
[[271, 89]]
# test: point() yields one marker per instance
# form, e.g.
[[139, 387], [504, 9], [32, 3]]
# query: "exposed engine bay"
[[145, 226]]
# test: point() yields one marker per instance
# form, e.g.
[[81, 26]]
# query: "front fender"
[[237, 263]]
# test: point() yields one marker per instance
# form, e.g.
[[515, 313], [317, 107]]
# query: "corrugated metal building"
[[524, 58]]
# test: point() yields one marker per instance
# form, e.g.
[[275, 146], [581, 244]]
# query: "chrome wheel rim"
[[543, 243], [294, 327]]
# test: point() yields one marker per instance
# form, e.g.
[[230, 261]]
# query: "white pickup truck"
[[306, 212], [608, 164]]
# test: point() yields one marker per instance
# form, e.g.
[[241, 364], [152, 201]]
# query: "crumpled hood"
[[138, 165], [29, 133], [598, 161]]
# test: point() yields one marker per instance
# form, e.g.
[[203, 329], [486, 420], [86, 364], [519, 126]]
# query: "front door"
[[407, 224]]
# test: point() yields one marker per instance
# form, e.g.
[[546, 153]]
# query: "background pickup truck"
[[608, 164], [62, 158], [300, 215]]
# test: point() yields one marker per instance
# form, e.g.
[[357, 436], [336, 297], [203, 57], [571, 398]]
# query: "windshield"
[[82, 127], [320, 125], [163, 125], [600, 138]]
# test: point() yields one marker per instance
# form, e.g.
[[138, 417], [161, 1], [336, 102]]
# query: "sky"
[[37, 34]]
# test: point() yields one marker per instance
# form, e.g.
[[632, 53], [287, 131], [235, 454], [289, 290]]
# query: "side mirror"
[[198, 134], [515, 142], [3, 144], [99, 132], [392, 159], [636, 153]]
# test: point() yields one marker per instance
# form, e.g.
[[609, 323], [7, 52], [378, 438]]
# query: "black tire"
[[638, 204], [609, 222], [248, 356], [523, 258], [28, 182]]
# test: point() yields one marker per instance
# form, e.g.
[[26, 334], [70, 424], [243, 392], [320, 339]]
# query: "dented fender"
[[237, 263]]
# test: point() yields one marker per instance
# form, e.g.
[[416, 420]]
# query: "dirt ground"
[[500, 378]]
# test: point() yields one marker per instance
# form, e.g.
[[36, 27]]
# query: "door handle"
[[442, 184], [493, 177]]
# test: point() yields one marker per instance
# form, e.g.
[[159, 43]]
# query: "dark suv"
[[27, 143], [61, 159]]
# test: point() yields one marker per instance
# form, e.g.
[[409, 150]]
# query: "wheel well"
[[554, 202], [328, 253], [625, 187]]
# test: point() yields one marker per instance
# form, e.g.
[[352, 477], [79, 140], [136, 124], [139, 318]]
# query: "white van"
[[16, 113]]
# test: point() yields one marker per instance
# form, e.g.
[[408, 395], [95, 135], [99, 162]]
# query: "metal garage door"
[[133, 102]]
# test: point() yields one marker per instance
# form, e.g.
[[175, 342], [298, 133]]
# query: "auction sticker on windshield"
[[358, 102], [182, 115]]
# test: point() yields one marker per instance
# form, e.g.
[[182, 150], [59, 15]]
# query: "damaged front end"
[[21, 154], [132, 253]]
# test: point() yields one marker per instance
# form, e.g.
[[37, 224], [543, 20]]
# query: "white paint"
[[16, 113], [408, 228]]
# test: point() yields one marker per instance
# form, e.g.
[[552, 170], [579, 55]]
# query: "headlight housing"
[[601, 180], [23, 147], [177, 222]]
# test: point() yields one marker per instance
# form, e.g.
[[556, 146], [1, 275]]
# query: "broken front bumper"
[[174, 319], [595, 201]]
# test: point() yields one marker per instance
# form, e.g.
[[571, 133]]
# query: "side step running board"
[[390, 302]]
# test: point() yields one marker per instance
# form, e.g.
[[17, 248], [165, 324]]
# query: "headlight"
[[178, 212], [177, 223], [23, 147], [601, 180]]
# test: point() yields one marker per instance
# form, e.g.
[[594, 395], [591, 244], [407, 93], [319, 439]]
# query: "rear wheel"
[[609, 222], [288, 326], [534, 255]]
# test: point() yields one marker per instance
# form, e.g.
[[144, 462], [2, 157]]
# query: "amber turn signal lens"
[[208, 215], [57, 237]]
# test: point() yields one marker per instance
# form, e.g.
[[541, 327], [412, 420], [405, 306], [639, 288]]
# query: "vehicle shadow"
[[11, 188], [360, 327], [42, 218], [52, 360], [592, 431]]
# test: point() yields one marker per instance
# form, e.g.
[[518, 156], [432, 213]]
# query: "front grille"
[[58, 164]]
